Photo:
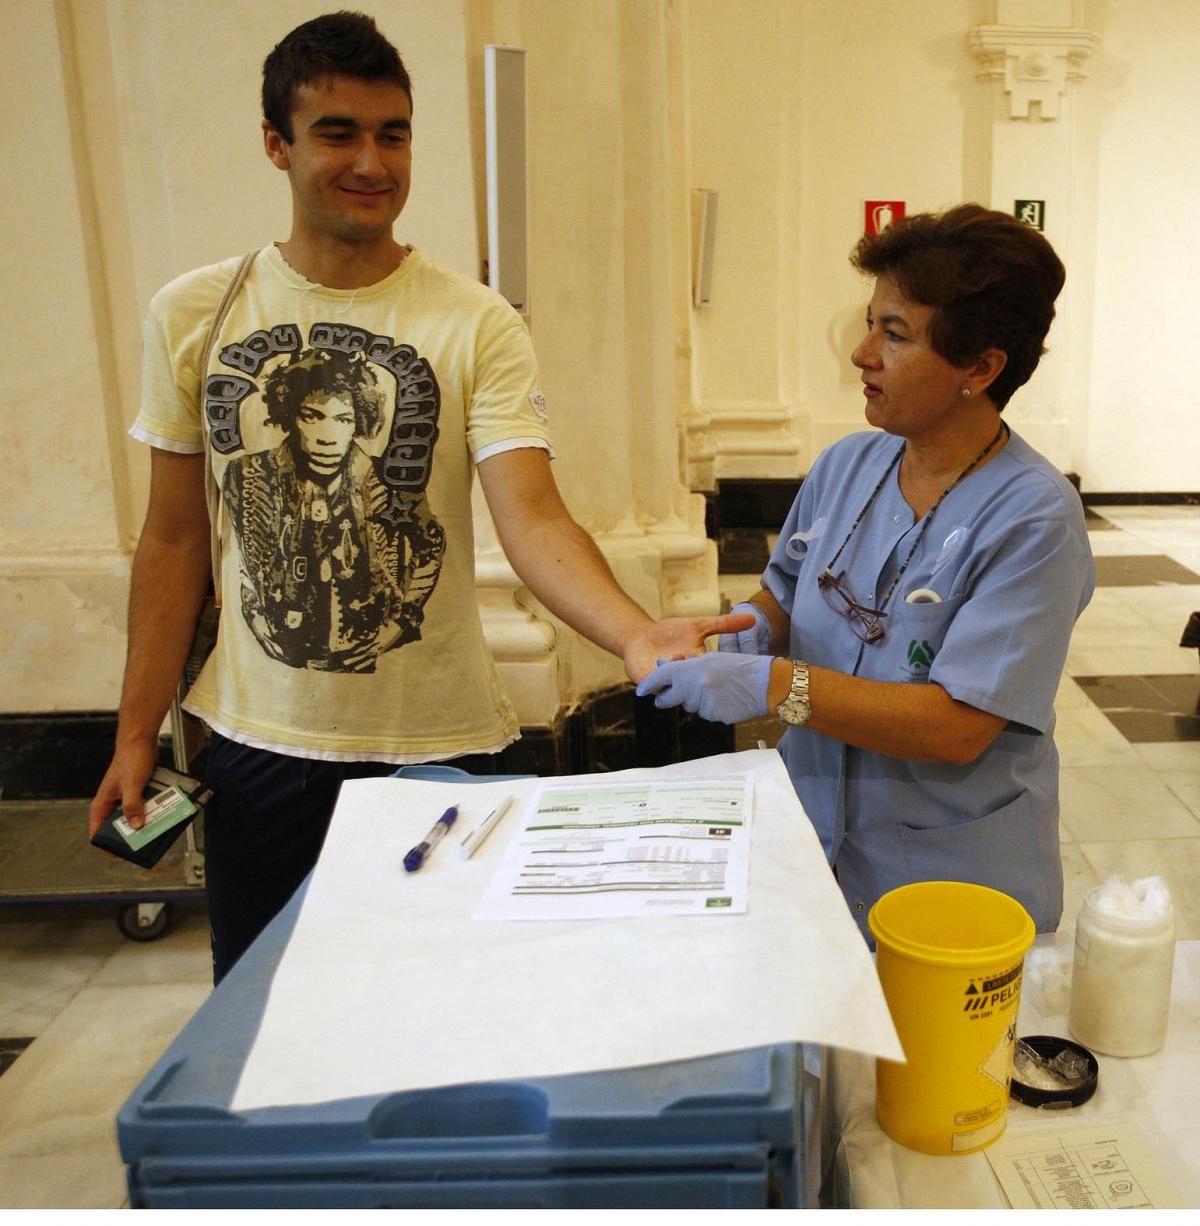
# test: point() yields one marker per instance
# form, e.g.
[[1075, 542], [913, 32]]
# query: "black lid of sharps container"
[[1076, 1071]]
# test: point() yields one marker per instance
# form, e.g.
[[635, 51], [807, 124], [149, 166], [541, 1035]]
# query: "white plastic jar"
[[1121, 982]]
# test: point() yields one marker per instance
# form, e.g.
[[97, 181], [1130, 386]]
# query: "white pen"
[[472, 843]]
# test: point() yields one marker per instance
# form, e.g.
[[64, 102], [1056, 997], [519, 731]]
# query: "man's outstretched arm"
[[562, 566], [170, 579]]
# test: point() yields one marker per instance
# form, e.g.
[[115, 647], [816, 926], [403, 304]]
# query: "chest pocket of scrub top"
[[916, 633]]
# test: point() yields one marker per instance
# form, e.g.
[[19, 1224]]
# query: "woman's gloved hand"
[[753, 642], [719, 686]]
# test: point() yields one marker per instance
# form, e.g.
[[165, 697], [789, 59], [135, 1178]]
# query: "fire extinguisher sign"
[[880, 214]]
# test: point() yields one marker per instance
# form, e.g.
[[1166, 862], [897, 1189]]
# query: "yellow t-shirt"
[[342, 427]]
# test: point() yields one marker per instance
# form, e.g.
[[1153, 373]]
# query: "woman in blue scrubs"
[[914, 618]]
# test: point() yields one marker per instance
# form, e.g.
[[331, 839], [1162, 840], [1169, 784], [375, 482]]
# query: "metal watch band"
[[796, 708]]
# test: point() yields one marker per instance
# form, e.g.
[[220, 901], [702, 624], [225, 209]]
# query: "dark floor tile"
[[10, 1049], [1143, 727], [1152, 708], [1180, 693], [1163, 692], [1115, 693], [1141, 570]]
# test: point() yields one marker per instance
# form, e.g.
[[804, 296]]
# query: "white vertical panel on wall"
[[707, 210], [62, 570], [884, 90], [740, 87], [1143, 433], [504, 120], [53, 441]]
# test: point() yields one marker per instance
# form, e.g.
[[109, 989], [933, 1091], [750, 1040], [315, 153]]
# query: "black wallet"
[[173, 800]]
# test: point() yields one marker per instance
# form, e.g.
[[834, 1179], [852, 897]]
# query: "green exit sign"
[[1031, 212]]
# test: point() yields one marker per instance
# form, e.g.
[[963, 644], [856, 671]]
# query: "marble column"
[[608, 285], [1035, 139]]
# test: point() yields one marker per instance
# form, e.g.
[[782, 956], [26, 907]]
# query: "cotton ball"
[[1146, 898], [1154, 895], [1042, 965], [1048, 973]]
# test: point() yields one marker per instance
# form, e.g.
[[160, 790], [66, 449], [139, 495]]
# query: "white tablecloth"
[[426, 995], [1159, 1093]]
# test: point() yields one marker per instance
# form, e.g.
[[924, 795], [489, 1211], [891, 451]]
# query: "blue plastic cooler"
[[729, 1131]]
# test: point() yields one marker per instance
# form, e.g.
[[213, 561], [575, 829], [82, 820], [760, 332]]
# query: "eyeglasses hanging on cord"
[[866, 622]]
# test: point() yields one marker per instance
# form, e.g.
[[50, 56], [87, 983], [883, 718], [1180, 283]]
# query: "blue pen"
[[416, 857]]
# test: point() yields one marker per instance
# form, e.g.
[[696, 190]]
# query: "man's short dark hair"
[[344, 44], [991, 280], [325, 372]]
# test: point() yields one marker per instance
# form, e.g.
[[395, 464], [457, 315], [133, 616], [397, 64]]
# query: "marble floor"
[[85, 1012]]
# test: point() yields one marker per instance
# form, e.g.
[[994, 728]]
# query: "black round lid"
[[1039, 1090]]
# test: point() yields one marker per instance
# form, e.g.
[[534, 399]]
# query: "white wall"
[[743, 102], [62, 572], [798, 110], [1143, 426], [888, 91], [51, 342], [133, 152]]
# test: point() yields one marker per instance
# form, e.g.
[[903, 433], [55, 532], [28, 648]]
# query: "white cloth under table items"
[[388, 983], [1159, 1093]]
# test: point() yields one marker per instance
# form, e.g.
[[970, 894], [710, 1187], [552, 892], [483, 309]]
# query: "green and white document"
[[590, 850]]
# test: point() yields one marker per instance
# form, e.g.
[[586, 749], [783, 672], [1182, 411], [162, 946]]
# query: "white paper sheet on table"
[[650, 847], [388, 984], [1105, 1166]]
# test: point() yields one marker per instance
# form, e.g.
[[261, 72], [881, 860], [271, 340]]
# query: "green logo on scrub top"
[[920, 656]]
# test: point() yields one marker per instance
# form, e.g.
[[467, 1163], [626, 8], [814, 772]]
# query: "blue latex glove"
[[753, 642], [718, 686]]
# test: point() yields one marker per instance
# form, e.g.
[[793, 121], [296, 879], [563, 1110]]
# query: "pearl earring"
[[965, 393]]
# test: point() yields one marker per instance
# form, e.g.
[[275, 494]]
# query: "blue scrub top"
[[1007, 552]]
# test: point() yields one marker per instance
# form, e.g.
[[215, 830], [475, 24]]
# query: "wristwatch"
[[796, 708]]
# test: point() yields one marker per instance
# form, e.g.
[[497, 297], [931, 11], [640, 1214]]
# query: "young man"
[[353, 387]]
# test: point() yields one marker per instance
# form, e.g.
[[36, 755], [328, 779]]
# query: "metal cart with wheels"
[[46, 859]]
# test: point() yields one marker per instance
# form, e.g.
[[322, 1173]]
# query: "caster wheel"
[[144, 921]]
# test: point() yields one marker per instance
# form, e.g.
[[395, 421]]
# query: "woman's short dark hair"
[[991, 280], [345, 44], [325, 372]]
